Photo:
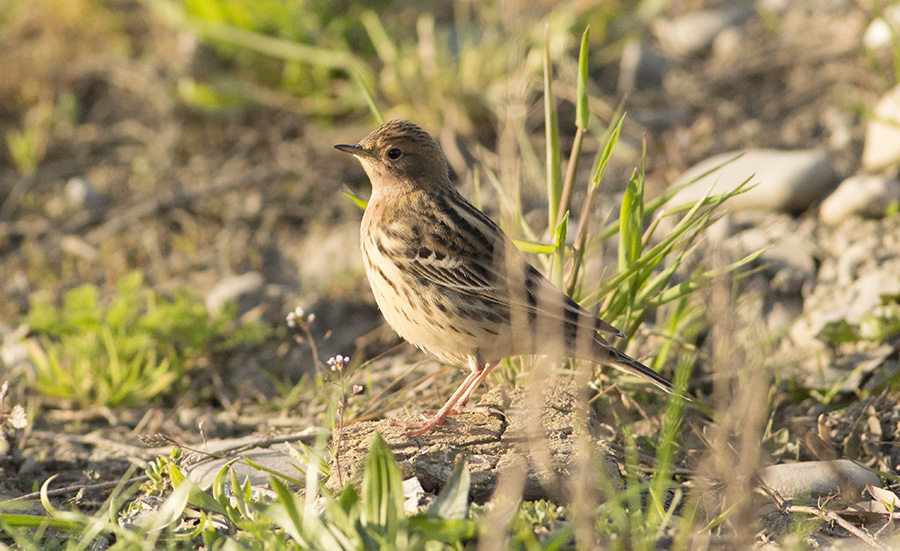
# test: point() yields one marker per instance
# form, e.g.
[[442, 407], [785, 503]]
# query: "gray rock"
[[80, 193], [862, 297], [813, 479], [694, 32], [860, 195], [787, 181], [276, 457], [788, 260], [882, 145], [640, 67], [231, 289]]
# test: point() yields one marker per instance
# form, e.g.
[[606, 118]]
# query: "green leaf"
[[195, 496], [382, 491], [631, 220], [606, 153], [273, 472], [582, 113], [534, 246], [560, 250], [551, 128], [453, 501], [285, 512], [450, 531]]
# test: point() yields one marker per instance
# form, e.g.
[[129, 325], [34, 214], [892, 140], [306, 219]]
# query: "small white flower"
[[295, 317], [338, 362], [17, 417]]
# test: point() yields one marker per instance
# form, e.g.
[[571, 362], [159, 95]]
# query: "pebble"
[[880, 33], [787, 181], [818, 479], [882, 145], [80, 193], [860, 195], [694, 32], [788, 261], [231, 289]]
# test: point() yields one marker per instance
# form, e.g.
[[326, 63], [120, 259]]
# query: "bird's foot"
[[429, 423], [485, 410]]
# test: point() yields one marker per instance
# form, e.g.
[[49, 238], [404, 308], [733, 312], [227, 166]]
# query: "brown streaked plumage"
[[448, 279]]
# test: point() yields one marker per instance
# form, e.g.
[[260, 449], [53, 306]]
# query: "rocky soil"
[[245, 205]]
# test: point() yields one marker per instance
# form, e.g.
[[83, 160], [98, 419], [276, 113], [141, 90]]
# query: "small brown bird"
[[448, 279]]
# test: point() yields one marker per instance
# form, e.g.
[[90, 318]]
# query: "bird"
[[449, 280]]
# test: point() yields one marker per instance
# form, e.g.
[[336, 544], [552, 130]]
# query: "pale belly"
[[428, 319]]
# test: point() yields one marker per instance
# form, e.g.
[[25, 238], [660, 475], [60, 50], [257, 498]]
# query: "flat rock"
[[786, 181], [277, 458], [491, 443], [814, 479]]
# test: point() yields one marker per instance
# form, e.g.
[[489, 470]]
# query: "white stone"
[[786, 181], [818, 478], [860, 195], [880, 31], [695, 31], [882, 147]]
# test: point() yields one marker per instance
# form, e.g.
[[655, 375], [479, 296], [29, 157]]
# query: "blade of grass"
[[582, 119], [373, 107], [556, 269], [551, 130], [581, 234]]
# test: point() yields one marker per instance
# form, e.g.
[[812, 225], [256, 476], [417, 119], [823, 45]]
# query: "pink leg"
[[440, 417], [464, 399]]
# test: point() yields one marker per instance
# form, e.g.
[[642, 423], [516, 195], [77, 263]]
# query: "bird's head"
[[399, 157]]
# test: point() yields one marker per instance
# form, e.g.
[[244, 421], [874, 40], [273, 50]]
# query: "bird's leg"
[[440, 417], [480, 375]]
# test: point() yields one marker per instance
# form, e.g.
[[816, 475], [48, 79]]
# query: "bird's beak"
[[355, 150]]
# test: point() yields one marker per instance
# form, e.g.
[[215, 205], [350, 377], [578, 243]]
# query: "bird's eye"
[[394, 153]]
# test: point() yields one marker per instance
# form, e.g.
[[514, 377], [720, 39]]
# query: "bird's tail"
[[624, 362]]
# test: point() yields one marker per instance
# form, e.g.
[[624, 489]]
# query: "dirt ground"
[[196, 197]]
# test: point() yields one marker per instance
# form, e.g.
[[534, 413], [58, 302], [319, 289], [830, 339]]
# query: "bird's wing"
[[488, 266]]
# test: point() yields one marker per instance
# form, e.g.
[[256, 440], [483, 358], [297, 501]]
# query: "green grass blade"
[[382, 491], [357, 200], [275, 47], [384, 46], [551, 127], [582, 112], [370, 100], [582, 119], [556, 273], [631, 220], [534, 247]]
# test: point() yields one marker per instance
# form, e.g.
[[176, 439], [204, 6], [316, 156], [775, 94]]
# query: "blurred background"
[[169, 191]]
